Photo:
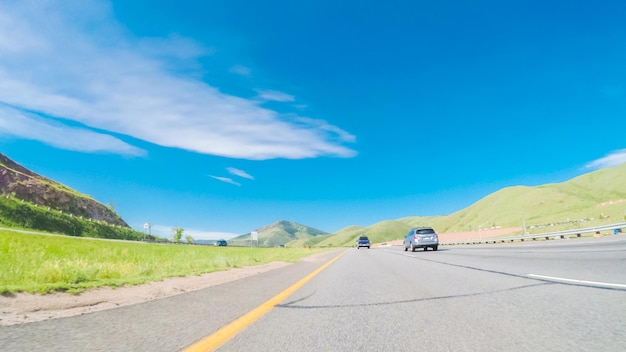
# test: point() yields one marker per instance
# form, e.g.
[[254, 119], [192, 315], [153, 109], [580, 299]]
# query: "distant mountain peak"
[[281, 232]]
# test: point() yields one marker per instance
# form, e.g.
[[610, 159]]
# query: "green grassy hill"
[[587, 200], [31, 201], [378, 233], [281, 233], [308, 242], [597, 195], [22, 184], [343, 237]]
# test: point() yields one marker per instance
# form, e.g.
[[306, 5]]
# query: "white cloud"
[[273, 95], [29, 126], [615, 158], [240, 173], [226, 180], [325, 126], [69, 59]]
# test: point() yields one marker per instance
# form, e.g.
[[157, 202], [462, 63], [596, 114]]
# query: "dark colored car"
[[363, 241], [421, 237], [221, 243]]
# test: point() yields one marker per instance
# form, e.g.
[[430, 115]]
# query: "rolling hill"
[[20, 183], [280, 233], [589, 199], [377, 233], [32, 201], [597, 195]]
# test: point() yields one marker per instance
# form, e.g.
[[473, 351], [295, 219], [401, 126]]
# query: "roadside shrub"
[[16, 213]]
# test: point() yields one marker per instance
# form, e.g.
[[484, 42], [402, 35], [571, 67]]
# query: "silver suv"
[[421, 237]]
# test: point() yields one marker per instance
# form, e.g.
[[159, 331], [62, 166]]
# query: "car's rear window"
[[363, 238], [425, 231]]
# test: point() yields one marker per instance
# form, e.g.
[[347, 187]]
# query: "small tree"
[[189, 239], [178, 234]]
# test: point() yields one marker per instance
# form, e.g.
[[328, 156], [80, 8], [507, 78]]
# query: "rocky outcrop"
[[23, 184]]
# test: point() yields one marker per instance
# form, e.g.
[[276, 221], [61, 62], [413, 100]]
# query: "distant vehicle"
[[363, 241], [220, 243], [421, 237]]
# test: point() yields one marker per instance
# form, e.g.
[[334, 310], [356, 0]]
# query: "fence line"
[[618, 227]]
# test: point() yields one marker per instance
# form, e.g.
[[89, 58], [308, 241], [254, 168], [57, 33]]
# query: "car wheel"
[[435, 248], [425, 249], [406, 248], [412, 248]]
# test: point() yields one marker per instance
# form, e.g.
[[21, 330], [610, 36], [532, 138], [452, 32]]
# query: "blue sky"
[[224, 116]]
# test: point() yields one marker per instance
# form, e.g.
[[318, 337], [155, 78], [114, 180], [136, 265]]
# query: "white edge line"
[[595, 283]]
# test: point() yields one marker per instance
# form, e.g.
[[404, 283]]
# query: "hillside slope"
[[599, 194], [380, 232], [18, 182], [280, 233], [585, 200]]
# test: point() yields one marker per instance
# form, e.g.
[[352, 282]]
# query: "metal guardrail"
[[546, 236]]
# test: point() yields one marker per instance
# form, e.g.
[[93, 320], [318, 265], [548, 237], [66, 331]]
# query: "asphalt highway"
[[562, 295]]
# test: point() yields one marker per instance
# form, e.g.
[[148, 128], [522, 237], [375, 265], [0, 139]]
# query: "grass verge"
[[43, 264]]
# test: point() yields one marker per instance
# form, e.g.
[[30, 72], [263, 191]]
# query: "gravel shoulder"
[[24, 308]]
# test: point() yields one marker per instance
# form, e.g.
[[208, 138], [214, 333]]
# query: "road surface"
[[566, 295]]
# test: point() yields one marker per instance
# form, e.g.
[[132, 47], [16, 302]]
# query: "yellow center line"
[[227, 332]]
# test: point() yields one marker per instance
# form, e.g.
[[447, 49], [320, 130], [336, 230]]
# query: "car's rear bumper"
[[425, 244]]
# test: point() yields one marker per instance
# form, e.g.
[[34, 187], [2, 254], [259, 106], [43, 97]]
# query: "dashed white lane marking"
[[575, 281]]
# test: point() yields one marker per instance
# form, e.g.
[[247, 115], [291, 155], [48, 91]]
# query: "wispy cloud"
[[615, 158], [226, 180], [273, 95], [30, 126], [240, 173], [71, 60]]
